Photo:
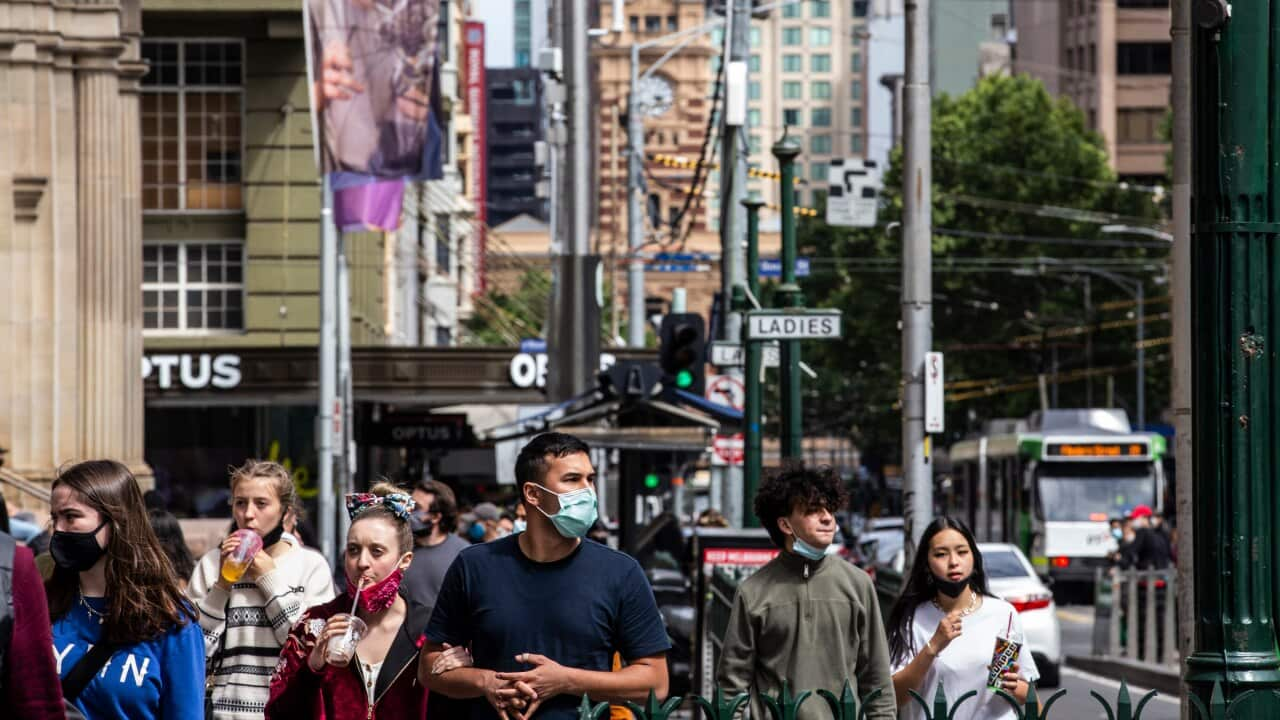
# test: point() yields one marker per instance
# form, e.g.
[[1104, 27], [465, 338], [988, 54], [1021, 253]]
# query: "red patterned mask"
[[378, 597]]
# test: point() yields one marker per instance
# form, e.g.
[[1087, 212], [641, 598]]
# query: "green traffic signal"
[[684, 379], [651, 481]]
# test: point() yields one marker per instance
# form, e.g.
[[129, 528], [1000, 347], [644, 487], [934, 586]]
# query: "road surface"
[[1078, 704]]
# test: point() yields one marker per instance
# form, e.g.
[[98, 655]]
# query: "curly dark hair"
[[797, 486]]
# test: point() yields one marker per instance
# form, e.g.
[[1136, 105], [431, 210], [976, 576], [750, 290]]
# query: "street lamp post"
[[786, 150]]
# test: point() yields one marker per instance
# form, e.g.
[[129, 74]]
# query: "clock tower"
[[676, 103]]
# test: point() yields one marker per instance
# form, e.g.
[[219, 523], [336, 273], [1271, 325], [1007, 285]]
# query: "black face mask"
[[76, 551], [273, 537], [421, 525], [950, 588]]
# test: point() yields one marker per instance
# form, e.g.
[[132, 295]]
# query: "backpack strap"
[[88, 666]]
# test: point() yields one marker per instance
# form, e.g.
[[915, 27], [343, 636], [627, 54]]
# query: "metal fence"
[[1136, 616], [785, 705]]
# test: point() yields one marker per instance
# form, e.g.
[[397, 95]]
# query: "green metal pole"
[[786, 150], [1235, 288], [753, 455]]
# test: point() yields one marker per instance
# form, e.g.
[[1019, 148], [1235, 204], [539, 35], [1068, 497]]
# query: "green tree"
[[1016, 174]]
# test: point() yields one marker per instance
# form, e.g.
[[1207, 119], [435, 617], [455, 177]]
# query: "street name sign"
[[727, 355], [793, 325]]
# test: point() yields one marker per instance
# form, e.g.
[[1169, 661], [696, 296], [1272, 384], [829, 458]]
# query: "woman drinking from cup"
[[252, 589], [948, 628], [354, 657], [125, 638]]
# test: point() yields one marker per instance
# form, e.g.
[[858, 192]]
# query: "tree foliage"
[[1016, 176]]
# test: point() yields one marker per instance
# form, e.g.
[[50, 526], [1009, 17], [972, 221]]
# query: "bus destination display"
[[1097, 450]]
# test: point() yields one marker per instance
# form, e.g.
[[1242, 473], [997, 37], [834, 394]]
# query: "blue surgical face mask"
[[518, 526], [476, 532], [807, 551], [1117, 533], [577, 512]]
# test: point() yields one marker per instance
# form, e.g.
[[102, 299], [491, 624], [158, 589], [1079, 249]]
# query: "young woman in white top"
[[245, 623], [944, 626]]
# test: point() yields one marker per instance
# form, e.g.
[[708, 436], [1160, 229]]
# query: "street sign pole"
[[786, 150], [753, 451]]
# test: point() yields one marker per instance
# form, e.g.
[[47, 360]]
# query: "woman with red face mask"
[[338, 665]]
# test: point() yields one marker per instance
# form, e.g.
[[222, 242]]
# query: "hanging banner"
[[374, 78], [477, 97]]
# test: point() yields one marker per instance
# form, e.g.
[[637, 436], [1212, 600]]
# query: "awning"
[[714, 409]]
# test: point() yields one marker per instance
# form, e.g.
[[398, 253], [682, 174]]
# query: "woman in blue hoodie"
[[113, 585]]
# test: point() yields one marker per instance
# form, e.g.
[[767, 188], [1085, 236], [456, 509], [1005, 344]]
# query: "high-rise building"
[[515, 31], [807, 74], [957, 33], [514, 119], [1113, 60]]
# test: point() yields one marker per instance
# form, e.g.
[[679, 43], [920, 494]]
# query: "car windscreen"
[[1094, 497], [1003, 564]]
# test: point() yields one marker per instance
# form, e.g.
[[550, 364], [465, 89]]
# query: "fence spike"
[[844, 707], [1105, 705], [939, 704], [785, 706], [652, 710], [718, 708], [1018, 712], [588, 712], [923, 704], [960, 701], [866, 702], [1238, 702], [1137, 712], [1044, 711]]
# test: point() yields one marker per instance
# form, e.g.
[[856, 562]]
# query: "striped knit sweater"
[[256, 617]]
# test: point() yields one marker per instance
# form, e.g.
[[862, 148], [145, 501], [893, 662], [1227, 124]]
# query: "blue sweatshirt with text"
[[161, 679]]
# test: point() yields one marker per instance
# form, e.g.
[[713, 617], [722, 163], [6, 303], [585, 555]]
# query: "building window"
[[1142, 58], [634, 23], [855, 117], [791, 117], [855, 90], [673, 23], [1093, 59], [855, 143], [444, 244], [192, 106], [792, 63], [754, 63], [653, 23], [820, 62], [193, 287], [756, 144], [444, 337], [791, 90], [819, 90], [791, 10], [753, 117], [855, 36], [819, 36], [820, 144], [818, 172], [820, 9], [753, 90], [792, 36], [1139, 125], [860, 8], [820, 117], [855, 62], [755, 37]]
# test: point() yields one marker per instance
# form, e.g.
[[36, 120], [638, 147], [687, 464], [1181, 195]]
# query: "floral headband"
[[398, 503]]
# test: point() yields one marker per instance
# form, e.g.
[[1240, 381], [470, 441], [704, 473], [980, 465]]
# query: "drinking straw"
[[360, 587], [1007, 630]]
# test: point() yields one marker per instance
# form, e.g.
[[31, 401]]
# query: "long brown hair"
[[145, 600]]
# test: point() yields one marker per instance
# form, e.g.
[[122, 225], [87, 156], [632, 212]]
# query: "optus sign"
[[193, 372], [528, 370]]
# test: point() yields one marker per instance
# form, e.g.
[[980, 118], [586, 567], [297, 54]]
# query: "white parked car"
[[1013, 580]]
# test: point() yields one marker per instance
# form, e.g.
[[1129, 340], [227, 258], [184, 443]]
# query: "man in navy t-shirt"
[[544, 611]]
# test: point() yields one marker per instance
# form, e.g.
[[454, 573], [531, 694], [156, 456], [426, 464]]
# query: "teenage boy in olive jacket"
[[806, 618]]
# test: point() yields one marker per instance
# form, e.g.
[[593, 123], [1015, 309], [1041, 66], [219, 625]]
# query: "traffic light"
[[682, 352]]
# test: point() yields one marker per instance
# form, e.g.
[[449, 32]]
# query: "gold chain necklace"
[[102, 617], [973, 605]]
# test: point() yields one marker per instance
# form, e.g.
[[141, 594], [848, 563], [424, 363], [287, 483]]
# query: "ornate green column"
[[1235, 287], [789, 296]]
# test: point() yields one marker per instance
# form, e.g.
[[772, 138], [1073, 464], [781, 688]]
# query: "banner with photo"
[[373, 72]]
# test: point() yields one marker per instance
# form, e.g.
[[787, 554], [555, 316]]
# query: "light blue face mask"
[[577, 512], [807, 551], [518, 526]]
